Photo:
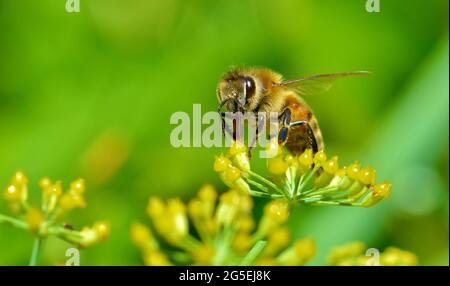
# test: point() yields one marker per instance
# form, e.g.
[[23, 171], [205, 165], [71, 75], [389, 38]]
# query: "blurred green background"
[[90, 94]]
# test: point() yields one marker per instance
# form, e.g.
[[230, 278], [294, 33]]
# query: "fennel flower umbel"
[[46, 220], [218, 230], [311, 179]]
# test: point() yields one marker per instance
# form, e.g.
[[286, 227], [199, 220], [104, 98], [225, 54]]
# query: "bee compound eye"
[[249, 86]]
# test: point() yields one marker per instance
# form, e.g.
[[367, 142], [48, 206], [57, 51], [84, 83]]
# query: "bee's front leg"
[[261, 122], [226, 127]]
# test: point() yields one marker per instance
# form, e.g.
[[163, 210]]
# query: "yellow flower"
[[221, 163], [331, 166], [301, 252], [170, 220], [102, 229], [306, 158], [277, 240], [242, 242], [34, 219], [275, 214], [12, 194], [354, 254], [277, 165], [379, 192], [19, 179], [307, 178], [91, 235], [204, 254], [156, 258], [239, 156], [45, 221], [71, 200], [223, 231], [17, 191], [393, 256], [320, 157], [78, 186], [141, 235], [339, 254], [366, 176]]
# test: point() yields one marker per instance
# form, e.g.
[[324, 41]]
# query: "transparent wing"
[[317, 84]]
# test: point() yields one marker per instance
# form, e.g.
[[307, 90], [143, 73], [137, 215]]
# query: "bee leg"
[[259, 126], [284, 120], [226, 127]]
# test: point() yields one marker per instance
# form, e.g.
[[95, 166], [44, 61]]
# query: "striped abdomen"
[[303, 136]]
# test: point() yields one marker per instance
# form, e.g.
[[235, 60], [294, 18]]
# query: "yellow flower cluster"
[[357, 254], [45, 220], [306, 178], [218, 230]]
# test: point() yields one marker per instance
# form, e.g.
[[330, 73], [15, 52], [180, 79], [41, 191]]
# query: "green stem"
[[251, 256], [35, 251], [13, 221], [292, 173], [257, 185], [223, 245], [321, 191], [267, 182], [308, 177]]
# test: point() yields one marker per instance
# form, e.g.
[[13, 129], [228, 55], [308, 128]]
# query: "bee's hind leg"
[[284, 121]]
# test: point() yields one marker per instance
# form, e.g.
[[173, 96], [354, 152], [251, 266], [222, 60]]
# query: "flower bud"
[[393, 256], [275, 213], [155, 207], [156, 258], [78, 186], [140, 235], [102, 230], [12, 194], [221, 163], [207, 193], [320, 157], [237, 148], [277, 240], [277, 165], [300, 253], [45, 183], [34, 219], [353, 170], [341, 253], [306, 158], [331, 166], [71, 200], [366, 176], [19, 179], [242, 242]]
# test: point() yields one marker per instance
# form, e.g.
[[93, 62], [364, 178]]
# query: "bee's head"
[[235, 90]]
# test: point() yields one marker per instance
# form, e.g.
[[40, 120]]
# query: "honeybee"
[[263, 90]]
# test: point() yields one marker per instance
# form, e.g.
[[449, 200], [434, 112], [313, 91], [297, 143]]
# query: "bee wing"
[[317, 84]]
